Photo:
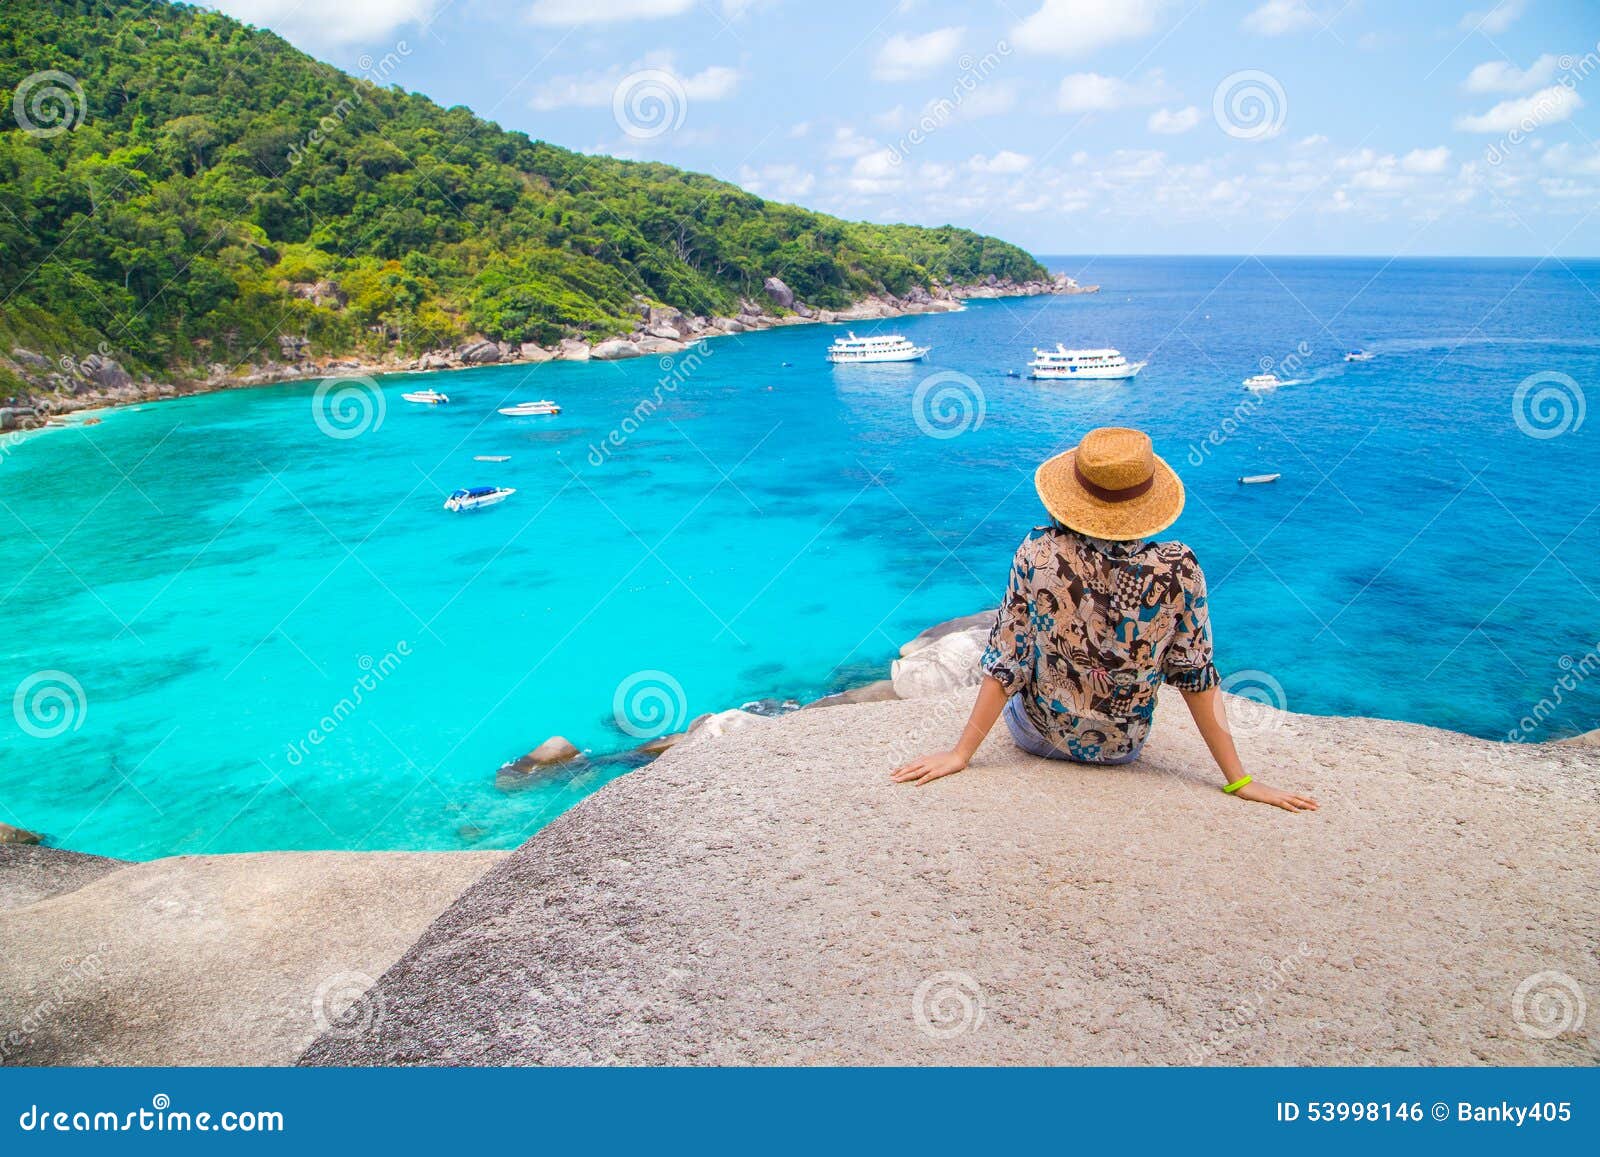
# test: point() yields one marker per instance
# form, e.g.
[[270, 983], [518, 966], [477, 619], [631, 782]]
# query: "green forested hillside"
[[212, 169]]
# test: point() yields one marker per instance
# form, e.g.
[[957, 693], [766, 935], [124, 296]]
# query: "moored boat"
[[1062, 364], [477, 497], [491, 457], [427, 397], [531, 409], [893, 347], [1258, 479]]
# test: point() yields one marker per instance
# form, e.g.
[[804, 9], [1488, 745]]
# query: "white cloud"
[[903, 57], [879, 171], [1503, 76], [1279, 17], [788, 182], [1169, 121], [344, 23], [1426, 160], [1005, 161], [1548, 106], [567, 12], [1496, 19], [599, 89], [1566, 159], [1092, 92], [1081, 27]]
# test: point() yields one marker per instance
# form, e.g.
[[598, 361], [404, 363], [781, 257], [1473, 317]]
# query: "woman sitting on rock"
[[1095, 619]]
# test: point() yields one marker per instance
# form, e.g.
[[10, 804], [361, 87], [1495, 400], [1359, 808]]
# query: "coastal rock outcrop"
[[941, 665], [13, 835], [615, 350], [983, 620], [782, 296], [479, 352]]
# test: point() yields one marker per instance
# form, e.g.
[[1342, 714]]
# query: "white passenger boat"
[[1260, 382], [853, 350], [1062, 364], [1359, 356], [477, 497], [427, 397], [1258, 479], [531, 409]]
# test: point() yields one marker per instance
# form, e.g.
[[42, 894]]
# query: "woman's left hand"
[[927, 768]]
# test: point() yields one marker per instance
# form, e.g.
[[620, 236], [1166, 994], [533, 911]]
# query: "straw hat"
[[1111, 485]]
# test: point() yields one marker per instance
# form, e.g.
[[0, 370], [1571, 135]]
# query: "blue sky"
[[1134, 126]]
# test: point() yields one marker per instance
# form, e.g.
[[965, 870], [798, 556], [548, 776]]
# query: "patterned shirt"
[[1088, 631]]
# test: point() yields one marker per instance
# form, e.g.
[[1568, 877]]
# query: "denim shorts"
[[1027, 737]]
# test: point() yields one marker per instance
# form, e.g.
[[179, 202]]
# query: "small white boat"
[[477, 497], [491, 457], [1258, 479], [427, 397], [531, 409], [1262, 382], [1359, 356], [853, 350], [1062, 364]]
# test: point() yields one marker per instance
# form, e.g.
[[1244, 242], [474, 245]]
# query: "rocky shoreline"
[[70, 384]]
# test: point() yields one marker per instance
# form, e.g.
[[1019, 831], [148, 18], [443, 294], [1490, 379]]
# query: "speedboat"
[[1262, 382], [427, 397], [477, 497], [1258, 479], [1359, 356], [531, 409], [853, 350], [1094, 365]]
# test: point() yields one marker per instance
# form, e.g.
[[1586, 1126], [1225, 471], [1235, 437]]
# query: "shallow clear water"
[[218, 575]]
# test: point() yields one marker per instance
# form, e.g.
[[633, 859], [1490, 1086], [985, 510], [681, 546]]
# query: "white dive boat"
[[1093, 365], [1359, 356], [531, 409], [427, 397], [491, 457], [1257, 479], [477, 497], [1262, 382], [891, 347]]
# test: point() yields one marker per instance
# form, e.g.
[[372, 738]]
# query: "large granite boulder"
[[533, 352], [614, 350], [983, 619], [479, 353], [943, 665], [572, 349], [782, 296]]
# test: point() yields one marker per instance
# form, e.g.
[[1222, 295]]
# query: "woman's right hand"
[[1287, 800], [927, 768]]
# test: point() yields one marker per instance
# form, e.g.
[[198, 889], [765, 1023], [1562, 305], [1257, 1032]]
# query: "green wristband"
[[1237, 784]]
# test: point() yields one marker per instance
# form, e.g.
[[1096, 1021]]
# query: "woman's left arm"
[[1211, 720], [927, 768]]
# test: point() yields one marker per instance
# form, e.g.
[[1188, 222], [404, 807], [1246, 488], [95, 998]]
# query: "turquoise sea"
[[227, 629]]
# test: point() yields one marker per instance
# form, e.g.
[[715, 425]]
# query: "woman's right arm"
[[927, 768], [1211, 720]]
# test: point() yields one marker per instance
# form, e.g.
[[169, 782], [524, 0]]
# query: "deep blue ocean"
[[243, 621]]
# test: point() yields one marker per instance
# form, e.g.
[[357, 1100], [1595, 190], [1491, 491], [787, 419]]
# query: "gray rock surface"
[[782, 296], [31, 874], [982, 620], [235, 960], [16, 835], [941, 665], [770, 897], [609, 351]]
